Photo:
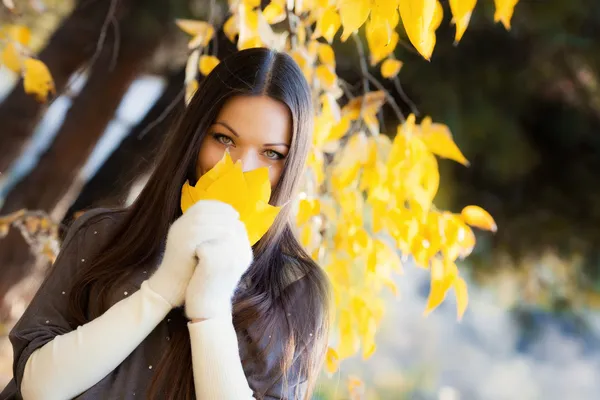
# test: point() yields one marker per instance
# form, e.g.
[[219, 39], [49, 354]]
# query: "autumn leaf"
[[418, 17], [479, 218], [332, 360], [504, 11], [462, 297], [328, 24], [353, 14], [390, 68], [274, 12], [202, 32], [247, 192], [10, 58], [461, 13], [326, 55], [439, 141], [37, 79], [207, 64]]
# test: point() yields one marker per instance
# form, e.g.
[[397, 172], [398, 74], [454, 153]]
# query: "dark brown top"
[[46, 317]]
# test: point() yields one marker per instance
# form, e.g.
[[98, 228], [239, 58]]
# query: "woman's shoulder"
[[95, 223]]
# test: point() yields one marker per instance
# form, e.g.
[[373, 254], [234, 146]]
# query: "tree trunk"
[[73, 43], [135, 154], [139, 34]]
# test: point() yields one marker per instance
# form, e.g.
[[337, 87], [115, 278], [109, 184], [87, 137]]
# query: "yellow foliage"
[[16, 56], [390, 68], [37, 79], [207, 64], [504, 11], [247, 192], [479, 218]]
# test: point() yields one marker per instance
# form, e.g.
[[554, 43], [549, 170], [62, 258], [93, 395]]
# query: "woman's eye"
[[272, 154], [226, 140]]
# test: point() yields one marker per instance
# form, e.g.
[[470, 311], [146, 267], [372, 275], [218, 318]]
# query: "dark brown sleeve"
[[47, 314]]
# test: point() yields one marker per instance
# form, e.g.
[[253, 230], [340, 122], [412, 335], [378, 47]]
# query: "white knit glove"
[[202, 222], [222, 262]]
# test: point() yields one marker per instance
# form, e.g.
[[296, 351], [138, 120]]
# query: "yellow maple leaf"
[[504, 11], [461, 15], [247, 192], [37, 79]]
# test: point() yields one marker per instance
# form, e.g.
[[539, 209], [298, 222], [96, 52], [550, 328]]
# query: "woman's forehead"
[[259, 117]]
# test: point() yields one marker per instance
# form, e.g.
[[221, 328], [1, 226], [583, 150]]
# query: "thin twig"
[[211, 20], [117, 32], [109, 18], [346, 88], [364, 71], [290, 27], [162, 115], [404, 96], [388, 97]]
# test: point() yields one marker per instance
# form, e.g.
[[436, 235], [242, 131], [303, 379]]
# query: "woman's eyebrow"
[[278, 144], [228, 127], [237, 135]]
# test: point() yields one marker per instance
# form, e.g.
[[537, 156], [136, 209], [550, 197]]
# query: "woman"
[[147, 303]]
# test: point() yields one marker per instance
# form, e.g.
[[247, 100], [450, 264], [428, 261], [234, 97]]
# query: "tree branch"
[[388, 97], [404, 96]]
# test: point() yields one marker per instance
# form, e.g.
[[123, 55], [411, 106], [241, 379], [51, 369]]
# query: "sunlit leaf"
[[439, 141], [418, 19], [37, 79], [202, 32], [274, 12], [479, 218], [326, 55], [332, 360], [504, 11], [10, 58], [390, 68], [207, 64], [328, 25], [353, 14], [462, 297], [247, 192], [461, 15]]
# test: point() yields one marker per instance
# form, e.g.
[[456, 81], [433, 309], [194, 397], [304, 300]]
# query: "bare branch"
[[404, 96], [108, 20], [117, 32], [388, 97], [364, 69], [162, 115]]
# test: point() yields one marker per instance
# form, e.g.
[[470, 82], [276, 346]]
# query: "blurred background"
[[523, 106]]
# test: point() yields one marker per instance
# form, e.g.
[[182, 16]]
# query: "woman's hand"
[[203, 222], [221, 263]]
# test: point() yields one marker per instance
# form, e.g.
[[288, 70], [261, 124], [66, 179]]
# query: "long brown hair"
[[285, 291]]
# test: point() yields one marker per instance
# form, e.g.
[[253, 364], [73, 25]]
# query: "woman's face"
[[256, 129]]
